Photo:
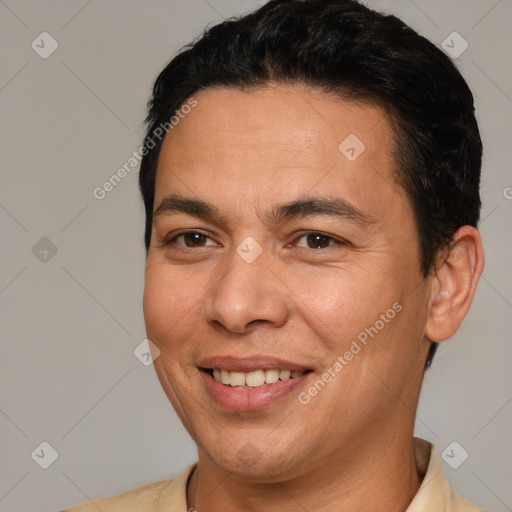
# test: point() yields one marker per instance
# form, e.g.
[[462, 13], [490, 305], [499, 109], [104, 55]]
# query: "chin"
[[256, 460]]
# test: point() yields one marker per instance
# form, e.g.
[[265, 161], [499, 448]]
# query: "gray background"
[[70, 321]]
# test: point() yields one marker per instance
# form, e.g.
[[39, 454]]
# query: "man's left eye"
[[317, 241]]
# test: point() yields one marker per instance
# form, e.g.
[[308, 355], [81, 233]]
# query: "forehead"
[[300, 117], [287, 140]]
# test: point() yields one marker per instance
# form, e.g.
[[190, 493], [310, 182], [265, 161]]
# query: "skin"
[[350, 448]]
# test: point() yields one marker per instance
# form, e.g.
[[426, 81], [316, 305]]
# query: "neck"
[[370, 476]]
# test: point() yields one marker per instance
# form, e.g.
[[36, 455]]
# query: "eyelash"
[[173, 239]]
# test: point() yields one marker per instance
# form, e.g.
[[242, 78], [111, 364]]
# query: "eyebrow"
[[297, 209]]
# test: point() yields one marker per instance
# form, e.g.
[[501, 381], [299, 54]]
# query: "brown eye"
[[316, 241], [190, 239]]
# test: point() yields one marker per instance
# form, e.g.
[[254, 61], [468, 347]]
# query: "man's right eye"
[[188, 239]]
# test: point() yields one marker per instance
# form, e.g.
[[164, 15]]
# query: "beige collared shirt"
[[434, 494]]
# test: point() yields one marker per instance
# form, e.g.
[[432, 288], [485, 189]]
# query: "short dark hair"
[[345, 48]]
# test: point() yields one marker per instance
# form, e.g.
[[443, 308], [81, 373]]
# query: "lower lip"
[[250, 399]]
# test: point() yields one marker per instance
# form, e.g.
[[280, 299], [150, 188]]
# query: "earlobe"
[[458, 270]]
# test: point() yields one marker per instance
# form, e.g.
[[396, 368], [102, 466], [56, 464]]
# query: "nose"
[[247, 294]]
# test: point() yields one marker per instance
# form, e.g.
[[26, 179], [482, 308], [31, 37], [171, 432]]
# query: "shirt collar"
[[434, 492]]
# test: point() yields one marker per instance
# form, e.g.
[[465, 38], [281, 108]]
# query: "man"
[[311, 237]]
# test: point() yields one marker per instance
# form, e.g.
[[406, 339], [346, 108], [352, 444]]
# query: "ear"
[[458, 270]]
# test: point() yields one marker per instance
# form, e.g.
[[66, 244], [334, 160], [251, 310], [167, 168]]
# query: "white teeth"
[[224, 377], [271, 376], [284, 374], [253, 379], [237, 378]]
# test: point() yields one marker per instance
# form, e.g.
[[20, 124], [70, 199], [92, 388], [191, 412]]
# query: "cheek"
[[340, 303], [169, 302], [394, 355]]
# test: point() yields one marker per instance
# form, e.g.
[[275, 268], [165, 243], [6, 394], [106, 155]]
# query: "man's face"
[[264, 284]]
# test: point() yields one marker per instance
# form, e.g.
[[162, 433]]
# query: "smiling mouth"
[[253, 379]]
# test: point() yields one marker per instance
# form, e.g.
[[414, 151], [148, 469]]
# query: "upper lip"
[[250, 363]]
